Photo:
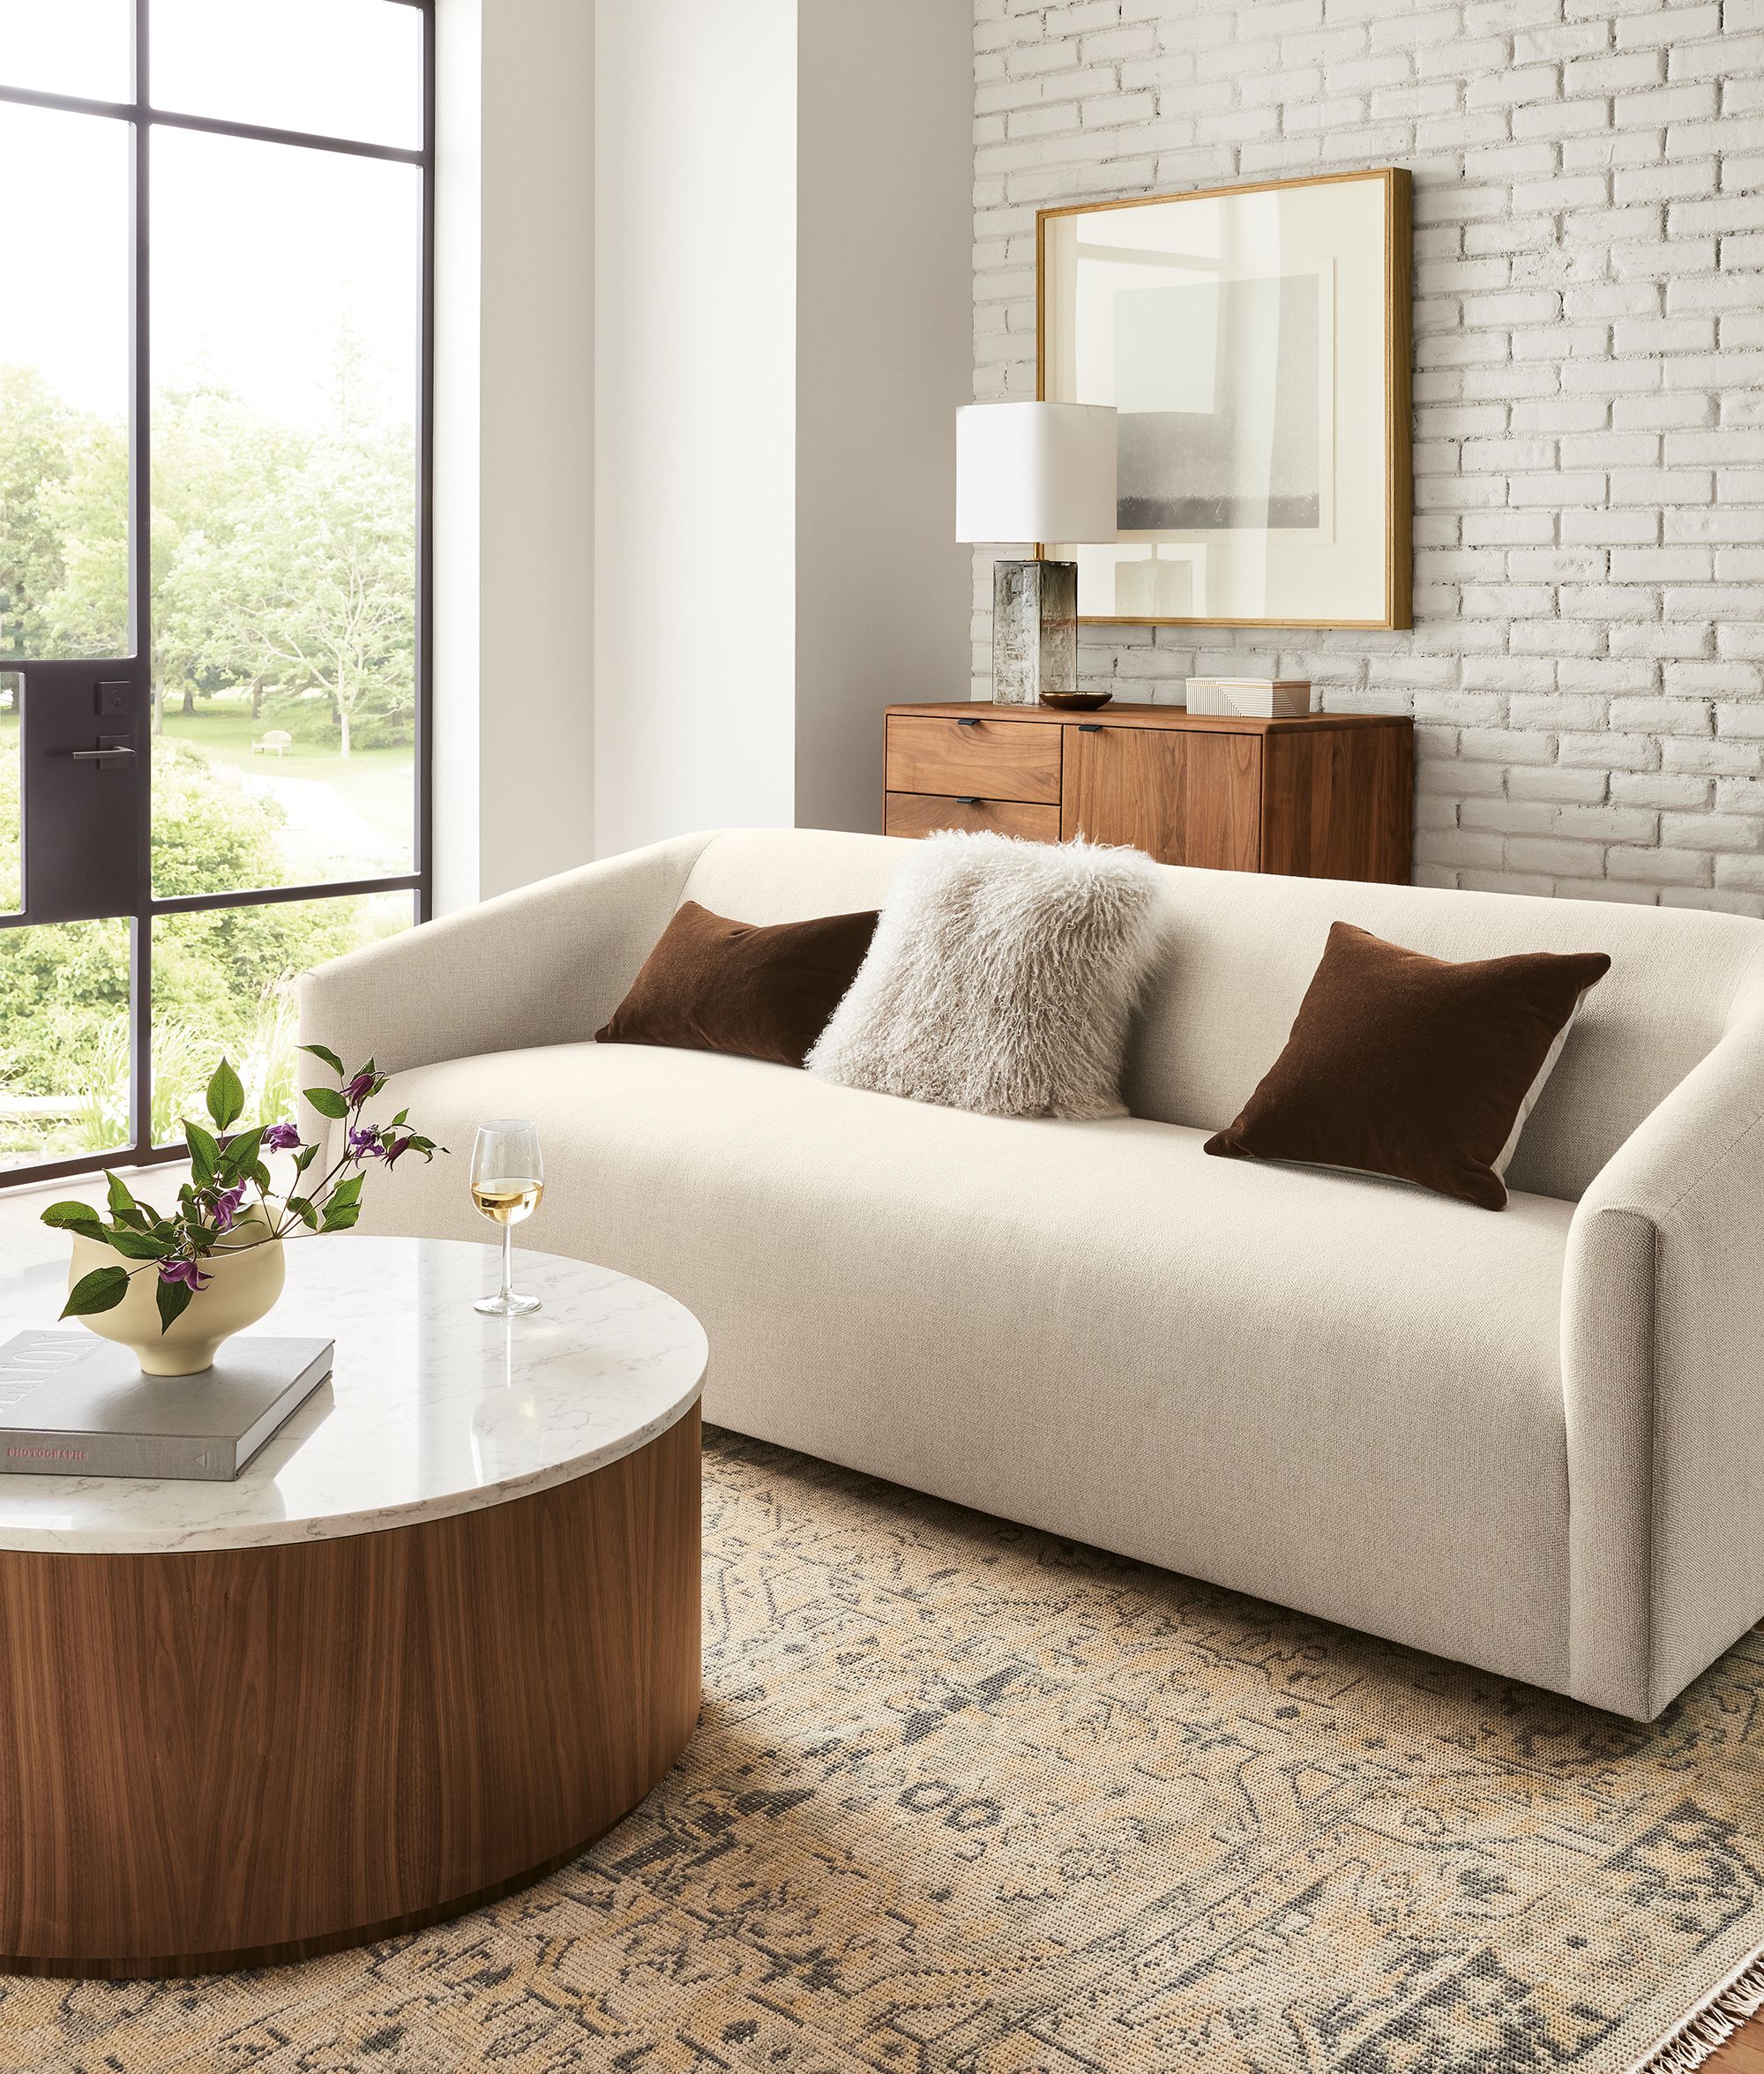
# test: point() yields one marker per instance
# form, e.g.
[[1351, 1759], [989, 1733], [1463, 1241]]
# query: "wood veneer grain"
[[1184, 799], [923, 814], [251, 1755], [965, 754], [1339, 805]]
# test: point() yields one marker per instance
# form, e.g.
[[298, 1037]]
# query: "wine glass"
[[508, 1177]]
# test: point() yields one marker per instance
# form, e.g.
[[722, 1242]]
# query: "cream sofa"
[[1531, 1441]]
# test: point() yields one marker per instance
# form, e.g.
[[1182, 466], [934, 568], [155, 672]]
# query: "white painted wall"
[[703, 306], [883, 288], [514, 458], [695, 416], [783, 250]]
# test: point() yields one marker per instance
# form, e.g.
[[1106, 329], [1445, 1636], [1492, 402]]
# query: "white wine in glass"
[[508, 1179]]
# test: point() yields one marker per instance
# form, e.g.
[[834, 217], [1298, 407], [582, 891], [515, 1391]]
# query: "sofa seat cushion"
[[1332, 1390]]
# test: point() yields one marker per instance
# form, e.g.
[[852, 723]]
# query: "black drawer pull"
[[967, 723], [966, 799], [1089, 727]]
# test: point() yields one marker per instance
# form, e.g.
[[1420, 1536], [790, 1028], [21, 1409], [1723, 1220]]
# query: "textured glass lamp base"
[[1035, 630]]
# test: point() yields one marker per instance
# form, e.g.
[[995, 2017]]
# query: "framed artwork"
[[1255, 343]]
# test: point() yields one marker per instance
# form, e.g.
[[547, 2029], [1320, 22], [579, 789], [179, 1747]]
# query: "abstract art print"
[[1254, 343]]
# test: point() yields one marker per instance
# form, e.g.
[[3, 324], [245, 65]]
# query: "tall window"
[[214, 388]]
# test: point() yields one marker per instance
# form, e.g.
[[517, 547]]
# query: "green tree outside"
[[283, 571]]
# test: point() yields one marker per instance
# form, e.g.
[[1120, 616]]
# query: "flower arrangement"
[[228, 1192]]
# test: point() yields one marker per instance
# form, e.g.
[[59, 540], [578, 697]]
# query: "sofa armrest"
[[1664, 1388], [546, 964]]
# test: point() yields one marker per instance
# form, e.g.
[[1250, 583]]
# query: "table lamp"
[[1034, 472]]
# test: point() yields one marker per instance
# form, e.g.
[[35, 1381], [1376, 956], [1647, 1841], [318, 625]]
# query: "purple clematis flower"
[[282, 1137], [358, 1089], [393, 1150], [227, 1207], [364, 1141], [184, 1271]]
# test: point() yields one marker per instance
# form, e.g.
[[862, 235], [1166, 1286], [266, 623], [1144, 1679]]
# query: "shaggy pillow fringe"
[[1002, 978]]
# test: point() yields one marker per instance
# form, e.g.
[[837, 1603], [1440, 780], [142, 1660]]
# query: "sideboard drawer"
[[993, 759], [924, 813]]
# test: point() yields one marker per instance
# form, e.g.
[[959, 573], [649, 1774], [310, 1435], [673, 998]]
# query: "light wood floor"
[[1742, 2053], [25, 1242]]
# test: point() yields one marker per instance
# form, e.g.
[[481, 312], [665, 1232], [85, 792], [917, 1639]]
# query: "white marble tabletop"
[[432, 1409]]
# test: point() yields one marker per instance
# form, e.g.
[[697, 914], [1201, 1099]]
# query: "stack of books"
[[1251, 698]]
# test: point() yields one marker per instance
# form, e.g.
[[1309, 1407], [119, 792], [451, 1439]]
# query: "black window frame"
[[138, 905]]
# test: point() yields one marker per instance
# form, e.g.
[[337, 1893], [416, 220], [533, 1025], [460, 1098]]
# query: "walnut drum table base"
[[241, 1756]]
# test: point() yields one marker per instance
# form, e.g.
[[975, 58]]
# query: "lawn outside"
[[373, 786]]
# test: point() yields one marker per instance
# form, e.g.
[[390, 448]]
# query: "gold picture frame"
[[1314, 544]]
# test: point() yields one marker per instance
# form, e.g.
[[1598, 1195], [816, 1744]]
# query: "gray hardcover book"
[[71, 1404]]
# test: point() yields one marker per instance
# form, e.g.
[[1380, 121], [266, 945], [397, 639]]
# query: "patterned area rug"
[[967, 1799]]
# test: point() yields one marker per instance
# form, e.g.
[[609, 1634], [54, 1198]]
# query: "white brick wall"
[[1587, 665]]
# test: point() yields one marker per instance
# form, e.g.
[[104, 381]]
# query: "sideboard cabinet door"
[[1187, 799], [1339, 803]]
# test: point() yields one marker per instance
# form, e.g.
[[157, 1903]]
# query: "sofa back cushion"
[[1240, 949]]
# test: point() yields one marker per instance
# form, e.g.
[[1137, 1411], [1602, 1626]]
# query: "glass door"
[[214, 390]]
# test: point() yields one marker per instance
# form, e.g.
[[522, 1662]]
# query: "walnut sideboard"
[[1326, 796]]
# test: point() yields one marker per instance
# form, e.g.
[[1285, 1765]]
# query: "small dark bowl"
[[1076, 701]]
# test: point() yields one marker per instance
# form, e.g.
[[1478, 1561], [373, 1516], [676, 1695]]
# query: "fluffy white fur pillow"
[[1001, 978]]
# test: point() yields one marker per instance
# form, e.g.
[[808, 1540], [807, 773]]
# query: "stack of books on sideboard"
[[1251, 698]]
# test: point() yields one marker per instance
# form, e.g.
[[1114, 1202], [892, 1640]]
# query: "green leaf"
[[347, 1190], [326, 1101], [260, 1174], [339, 1216], [144, 1246], [174, 1301], [226, 1097], [204, 1152], [75, 1216], [398, 1119], [305, 1211], [304, 1157], [123, 1205], [324, 1053], [240, 1156], [102, 1290]]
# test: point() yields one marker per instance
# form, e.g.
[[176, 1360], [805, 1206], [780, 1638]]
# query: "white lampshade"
[[1034, 471]]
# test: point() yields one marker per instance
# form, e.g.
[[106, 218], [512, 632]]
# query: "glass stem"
[[507, 1262]]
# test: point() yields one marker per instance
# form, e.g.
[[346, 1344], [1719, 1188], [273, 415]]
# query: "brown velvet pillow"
[[715, 986], [1404, 1065]]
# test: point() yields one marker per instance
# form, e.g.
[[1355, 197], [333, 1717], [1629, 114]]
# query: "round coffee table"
[[442, 1633]]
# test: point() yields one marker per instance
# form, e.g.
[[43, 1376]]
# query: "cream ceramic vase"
[[245, 1272]]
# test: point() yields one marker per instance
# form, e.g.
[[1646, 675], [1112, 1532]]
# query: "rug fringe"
[[1707, 2028]]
